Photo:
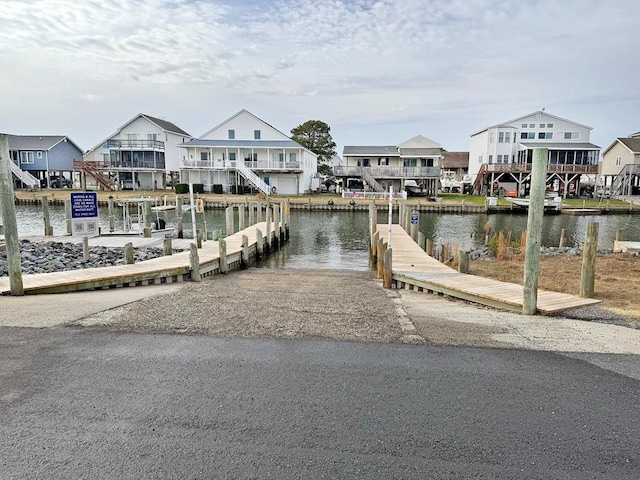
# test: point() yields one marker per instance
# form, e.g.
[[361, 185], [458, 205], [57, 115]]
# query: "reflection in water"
[[328, 240]]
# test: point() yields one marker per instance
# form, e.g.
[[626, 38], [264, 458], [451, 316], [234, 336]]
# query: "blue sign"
[[414, 218], [84, 205]]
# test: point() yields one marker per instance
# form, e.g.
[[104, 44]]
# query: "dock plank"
[[412, 266]]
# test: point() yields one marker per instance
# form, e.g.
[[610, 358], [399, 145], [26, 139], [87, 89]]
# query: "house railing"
[[133, 144], [622, 183], [24, 176], [250, 176], [551, 168], [388, 172], [220, 164]]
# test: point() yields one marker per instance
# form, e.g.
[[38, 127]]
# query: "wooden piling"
[[619, 235], [244, 253], [67, 216], [374, 245], [112, 218], [241, 225], [563, 238], [259, 244], [589, 255], [222, 248], [252, 214], [128, 253], [383, 248], [379, 258], [414, 225], [229, 221], [167, 248], [85, 249], [429, 247], [48, 229], [422, 241], [463, 261], [268, 232], [387, 273], [194, 262]]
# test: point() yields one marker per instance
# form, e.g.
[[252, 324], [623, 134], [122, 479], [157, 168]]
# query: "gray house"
[[49, 158]]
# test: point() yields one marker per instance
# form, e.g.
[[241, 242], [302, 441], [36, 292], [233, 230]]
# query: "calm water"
[[340, 239]]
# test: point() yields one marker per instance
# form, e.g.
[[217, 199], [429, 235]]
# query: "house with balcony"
[[246, 154], [501, 156], [620, 166], [142, 154], [39, 160], [376, 168]]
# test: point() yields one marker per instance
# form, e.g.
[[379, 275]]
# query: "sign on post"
[[199, 205], [414, 218], [84, 214]]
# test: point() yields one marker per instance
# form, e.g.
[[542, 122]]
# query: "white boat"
[[549, 203], [449, 183], [133, 218]]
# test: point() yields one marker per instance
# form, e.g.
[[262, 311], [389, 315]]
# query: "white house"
[[142, 153], [245, 153], [620, 166], [500, 157], [380, 167]]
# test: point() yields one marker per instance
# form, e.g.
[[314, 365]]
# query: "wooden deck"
[[412, 267], [166, 269]]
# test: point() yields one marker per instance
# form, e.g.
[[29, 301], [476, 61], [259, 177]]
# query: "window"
[[26, 157], [501, 137], [39, 154], [292, 157], [618, 160], [532, 125], [499, 159], [524, 125], [542, 125], [204, 156], [492, 137], [152, 136], [383, 161], [571, 135], [232, 156], [527, 135], [232, 134], [132, 136], [410, 162], [490, 159], [545, 135], [507, 137], [256, 134], [549, 125]]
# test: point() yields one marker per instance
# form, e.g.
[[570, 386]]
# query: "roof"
[[455, 159], [632, 144], [242, 143], [561, 146], [165, 125], [542, 112], [37, 142], [371, 150], [240, 113]]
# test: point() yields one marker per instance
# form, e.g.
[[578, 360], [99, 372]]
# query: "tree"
[[315, 135]]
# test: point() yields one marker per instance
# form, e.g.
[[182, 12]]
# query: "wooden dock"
[[166, 269], [414, 269]]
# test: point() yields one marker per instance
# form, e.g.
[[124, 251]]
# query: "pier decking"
[[166, 269], [412, 267]]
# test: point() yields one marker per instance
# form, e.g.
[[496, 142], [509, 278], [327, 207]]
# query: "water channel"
[[327, 240]]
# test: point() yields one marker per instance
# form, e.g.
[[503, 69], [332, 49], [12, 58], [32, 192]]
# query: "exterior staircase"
[[91, 169], [372, 182], [477, 184], [251, 177], [622, 183], [25, 177]]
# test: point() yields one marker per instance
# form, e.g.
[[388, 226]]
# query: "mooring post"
[[463, 261], [112, 218], [589, 255], [179, 232], [387, 274], [415, 223], [194, 262], [167, 248], [619, 235], [67, 216], [374, 245], [240, 217], [276, 221], [422, 241], [379, 257], [199, 239], [429, 247], [373, 220], [268, 232], [252, 214], [7, 204], [244, 254], [229, 220], [534, 231], [563, 238], [128, 253], [147, 219], [259, 212], [222, 248], [259, 244], [85, 249], [48, 229]]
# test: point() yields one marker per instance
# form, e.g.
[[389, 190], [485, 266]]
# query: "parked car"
[[602, 193], [55, 182]]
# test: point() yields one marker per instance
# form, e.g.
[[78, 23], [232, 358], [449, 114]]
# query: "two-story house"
[[501, 156], [141, 154], [244, 153], [376, 168], [620, 166], [48, 159]]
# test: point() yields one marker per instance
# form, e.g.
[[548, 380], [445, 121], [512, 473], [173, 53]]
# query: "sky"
[[378, 72]]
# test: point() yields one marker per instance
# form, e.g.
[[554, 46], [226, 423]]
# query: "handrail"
[[24, 176], [250, 175]]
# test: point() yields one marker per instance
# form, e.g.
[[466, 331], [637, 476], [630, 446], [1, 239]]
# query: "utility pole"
[[9, 218]]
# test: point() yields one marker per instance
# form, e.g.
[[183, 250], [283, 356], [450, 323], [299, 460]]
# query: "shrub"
[[217, 188], [197, 188], [181, 188]]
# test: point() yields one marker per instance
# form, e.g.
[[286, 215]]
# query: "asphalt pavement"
[[95, 404]]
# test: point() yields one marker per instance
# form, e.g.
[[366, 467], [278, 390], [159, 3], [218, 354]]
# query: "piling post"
[[147, 219], [199, 239], [619, 235], [373, 219], [259, 244], [589, 254], [85, 249], [222, 248], [422, 241], [179, 231], [244, 253], [379, 257], [429, 247], [287, 219], [194, 262], [7, 204], [463, 261], [259, 212], [268, 232], [415, 223], [383, 248], [534, 231], [252, 214], [167, 248], [374, 245], [112, 218], [128, 253], [240, 217], [563, 238], [276, 220], [387, 274], [229, 220], [67, 216], [48, 229]]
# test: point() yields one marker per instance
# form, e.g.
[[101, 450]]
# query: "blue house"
[[49, 158]]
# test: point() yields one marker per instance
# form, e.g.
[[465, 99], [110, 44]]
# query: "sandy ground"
[[335, 305]]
